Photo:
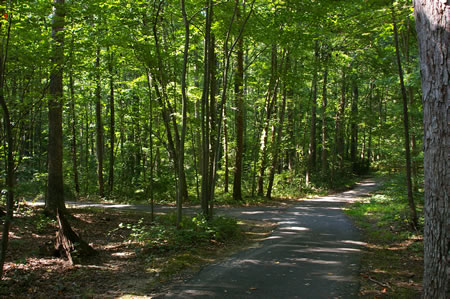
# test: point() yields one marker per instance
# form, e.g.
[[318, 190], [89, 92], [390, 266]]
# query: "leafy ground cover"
[[135, 257], [392, 262]]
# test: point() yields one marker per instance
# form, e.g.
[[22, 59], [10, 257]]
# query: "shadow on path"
[[314, 253]]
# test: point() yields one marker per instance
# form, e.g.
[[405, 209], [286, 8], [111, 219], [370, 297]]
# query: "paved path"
[[314, 253]]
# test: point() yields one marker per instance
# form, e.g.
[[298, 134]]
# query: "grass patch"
[[392, 262]]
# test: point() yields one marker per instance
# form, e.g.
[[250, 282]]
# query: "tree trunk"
[[112, 125], [226, 155], [433, 30], [68, 243], [73, 124], [99, 127], [205, 190], [183, 113], [340, 125], [324, 155], [412, 205], [277, 143], [55, 197], [312, 129], [270, 102], [239, 94], [354, 125], [10, 167]]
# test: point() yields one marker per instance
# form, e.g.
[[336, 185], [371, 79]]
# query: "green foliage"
[[388, 210], [163, 235]]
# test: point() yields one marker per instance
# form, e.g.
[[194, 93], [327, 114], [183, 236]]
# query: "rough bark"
[[433, 30], [68, 243]]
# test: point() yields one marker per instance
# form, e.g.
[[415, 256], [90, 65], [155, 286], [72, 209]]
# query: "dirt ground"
[[120, 268]]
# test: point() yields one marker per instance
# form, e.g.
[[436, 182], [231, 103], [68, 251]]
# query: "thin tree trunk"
[[270, 100], [412, 205], [183, 113], [239, 94], [340, 124], [433, 32], [112, 125], [276, 144], [354, 125], [99, 127], [312, 129], [225, 152], [10, 167], [73, 125], [324, 155]]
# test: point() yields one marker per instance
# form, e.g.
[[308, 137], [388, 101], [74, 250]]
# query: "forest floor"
[[390, 267]]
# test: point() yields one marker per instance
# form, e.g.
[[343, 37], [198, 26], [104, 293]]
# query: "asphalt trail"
[[314, 253]]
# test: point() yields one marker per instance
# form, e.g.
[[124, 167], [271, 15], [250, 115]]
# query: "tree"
[[239, 94], [412, 205], [55, 196], [10, 164], [433, 32], [67, 241]]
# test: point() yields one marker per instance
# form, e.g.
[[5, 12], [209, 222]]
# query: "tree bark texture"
[[433, 30], [55, 196]]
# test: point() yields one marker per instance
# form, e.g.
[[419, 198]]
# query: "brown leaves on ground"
[[392, 270], [120, 268]]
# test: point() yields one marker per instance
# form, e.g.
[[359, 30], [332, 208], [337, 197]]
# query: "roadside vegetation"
[[392, 262]]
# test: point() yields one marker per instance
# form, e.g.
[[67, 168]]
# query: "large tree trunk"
[[433, 30], [239, 94], [55, 196], [412, 205]]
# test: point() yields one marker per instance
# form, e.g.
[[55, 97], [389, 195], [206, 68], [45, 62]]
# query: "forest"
[[205, 102]]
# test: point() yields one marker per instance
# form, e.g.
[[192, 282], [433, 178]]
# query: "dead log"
[[68, 243]]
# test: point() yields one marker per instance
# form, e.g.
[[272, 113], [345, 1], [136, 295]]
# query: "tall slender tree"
[[55, 193]]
